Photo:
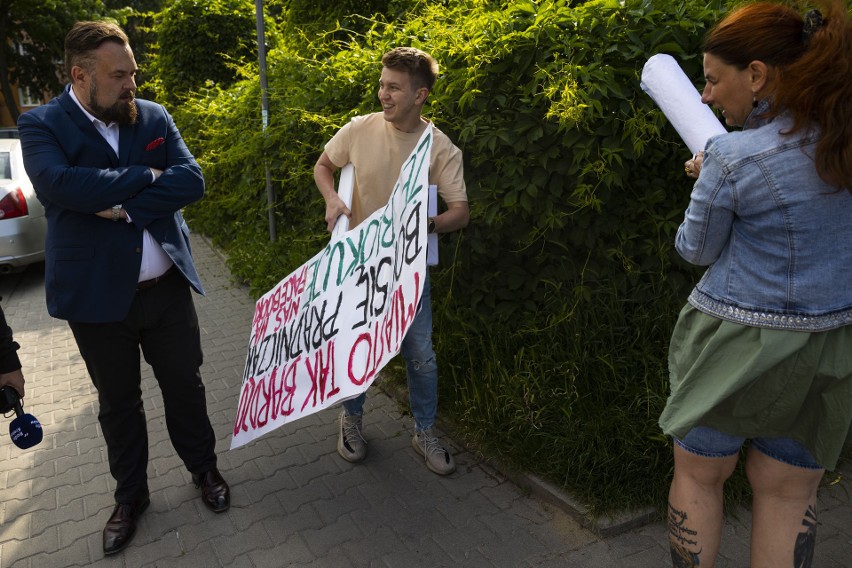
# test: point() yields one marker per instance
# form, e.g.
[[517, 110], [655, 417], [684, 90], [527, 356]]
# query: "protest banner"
[[323, 333]]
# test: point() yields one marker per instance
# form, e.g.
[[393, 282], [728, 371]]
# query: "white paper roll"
[[677, 97], [345, 188]]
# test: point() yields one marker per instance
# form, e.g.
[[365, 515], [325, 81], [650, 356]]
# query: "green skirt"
[[760, 383]]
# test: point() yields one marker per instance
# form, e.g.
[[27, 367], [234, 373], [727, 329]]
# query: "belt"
[[145, 284]]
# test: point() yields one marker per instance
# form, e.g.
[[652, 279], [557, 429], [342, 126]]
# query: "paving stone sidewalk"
[[294, 501]]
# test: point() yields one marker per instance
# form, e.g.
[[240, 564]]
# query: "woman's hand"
[[692, 167]]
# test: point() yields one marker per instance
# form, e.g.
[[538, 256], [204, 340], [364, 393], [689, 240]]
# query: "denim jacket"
[[777, 240]]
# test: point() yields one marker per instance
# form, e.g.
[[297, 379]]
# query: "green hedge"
[[554, 308], [201, 43]]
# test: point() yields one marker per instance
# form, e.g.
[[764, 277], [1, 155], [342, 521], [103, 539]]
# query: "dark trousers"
[[162, 321]]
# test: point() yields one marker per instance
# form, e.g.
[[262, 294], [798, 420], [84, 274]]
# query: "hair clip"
[[813, 22]]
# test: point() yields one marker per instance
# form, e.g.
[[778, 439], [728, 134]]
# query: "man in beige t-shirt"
[[376, 145]]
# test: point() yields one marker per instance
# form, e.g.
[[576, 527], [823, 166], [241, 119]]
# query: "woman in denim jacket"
[[763, 349]]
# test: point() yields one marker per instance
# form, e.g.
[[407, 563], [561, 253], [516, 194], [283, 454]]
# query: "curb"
[[602, 525]]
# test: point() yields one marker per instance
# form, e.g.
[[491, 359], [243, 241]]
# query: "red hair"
[[812, 66]]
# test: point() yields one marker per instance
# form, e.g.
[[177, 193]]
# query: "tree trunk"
[[8, 93]]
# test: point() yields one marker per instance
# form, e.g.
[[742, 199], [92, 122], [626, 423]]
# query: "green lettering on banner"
[[326, 330]]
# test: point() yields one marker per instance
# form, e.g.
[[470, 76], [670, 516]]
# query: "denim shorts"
[[710, 443]]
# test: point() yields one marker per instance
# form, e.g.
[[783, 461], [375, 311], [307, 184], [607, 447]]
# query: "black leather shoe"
[[214, 490], [121, 525]]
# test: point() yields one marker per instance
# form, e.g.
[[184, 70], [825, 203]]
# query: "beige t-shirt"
[[378, 150]]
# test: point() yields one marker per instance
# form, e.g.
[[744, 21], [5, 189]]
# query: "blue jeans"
[[421, 368], [711, 443]]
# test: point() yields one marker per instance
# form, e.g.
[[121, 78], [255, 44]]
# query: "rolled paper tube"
[[677, 97], [345, 188]]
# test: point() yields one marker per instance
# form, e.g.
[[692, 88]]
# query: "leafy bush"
[[327, 12], [201, 43], [566, 285], [553, 310]]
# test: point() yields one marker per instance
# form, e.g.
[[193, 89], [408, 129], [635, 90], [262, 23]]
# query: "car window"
[[5, 165]]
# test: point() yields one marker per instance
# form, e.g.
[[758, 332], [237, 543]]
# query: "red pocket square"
[[153, 144]]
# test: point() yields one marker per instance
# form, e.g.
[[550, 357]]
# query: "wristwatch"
[[430, 227], [116, 212]]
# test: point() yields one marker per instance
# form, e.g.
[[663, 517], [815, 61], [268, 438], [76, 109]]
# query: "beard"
[[123, 112]]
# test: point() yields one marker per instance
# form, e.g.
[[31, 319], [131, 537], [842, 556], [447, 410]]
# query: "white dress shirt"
[[155, 261]]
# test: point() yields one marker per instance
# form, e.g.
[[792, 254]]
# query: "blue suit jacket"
[[91, 263]]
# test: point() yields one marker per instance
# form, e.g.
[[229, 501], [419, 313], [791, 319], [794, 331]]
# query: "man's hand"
[[334, 208], [324, 178], [122, 214], [107, 214], [14, 379]]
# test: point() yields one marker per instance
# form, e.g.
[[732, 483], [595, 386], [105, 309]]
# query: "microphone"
[[25, 429]]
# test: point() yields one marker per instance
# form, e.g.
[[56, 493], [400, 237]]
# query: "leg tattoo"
[[681, 536], [803, 553]]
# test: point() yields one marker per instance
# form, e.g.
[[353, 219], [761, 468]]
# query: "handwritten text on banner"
[[323, 333]]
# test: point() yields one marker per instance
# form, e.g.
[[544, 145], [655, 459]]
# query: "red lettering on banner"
[[242, 408], [283, 390], [385, 336], [282, 303], [361, 338], [266, 399], [322, 376]]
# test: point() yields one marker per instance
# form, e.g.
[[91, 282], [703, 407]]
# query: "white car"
[[22, 223]]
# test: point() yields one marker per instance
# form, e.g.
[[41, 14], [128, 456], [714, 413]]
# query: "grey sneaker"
[[438, 459], [351, 444]]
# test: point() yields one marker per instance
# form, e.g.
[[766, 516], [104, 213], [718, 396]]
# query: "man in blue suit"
[[113, 174]]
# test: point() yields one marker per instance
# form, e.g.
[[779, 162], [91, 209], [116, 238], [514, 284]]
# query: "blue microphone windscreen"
[[25, 431]]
